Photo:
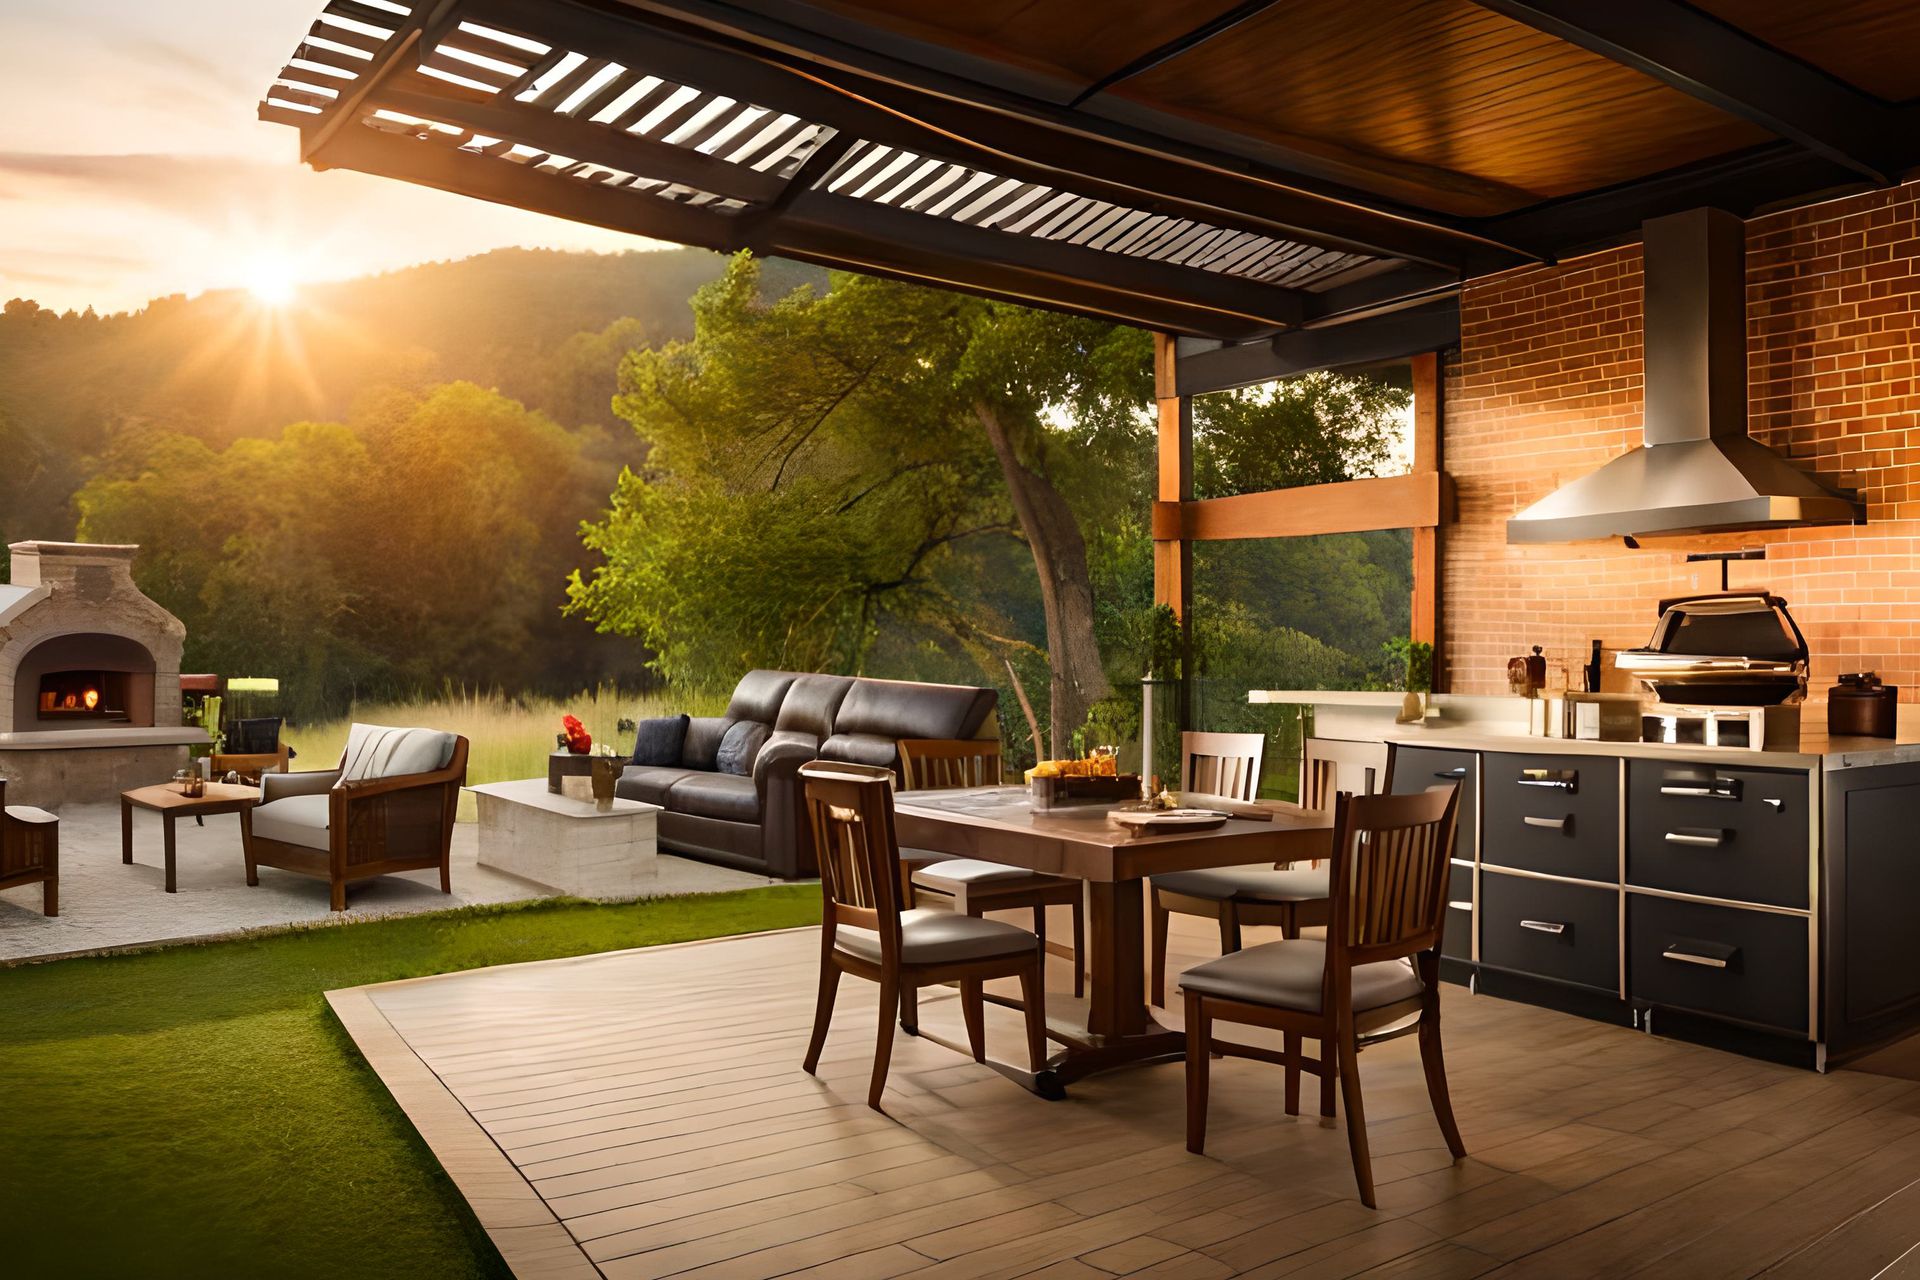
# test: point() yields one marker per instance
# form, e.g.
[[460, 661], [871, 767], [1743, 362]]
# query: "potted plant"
[[1419, 682]]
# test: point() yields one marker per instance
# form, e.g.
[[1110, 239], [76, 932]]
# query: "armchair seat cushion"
[[941, 937], [1247, 884], [300, 820], [1289, 975], [726, 796]]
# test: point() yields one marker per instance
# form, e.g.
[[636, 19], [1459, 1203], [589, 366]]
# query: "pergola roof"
[[1229, 171]]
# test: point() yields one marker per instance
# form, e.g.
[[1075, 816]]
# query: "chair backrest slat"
[[850, 817], [1222, 764], [948, 764], [1329, 766], [1390, 860]]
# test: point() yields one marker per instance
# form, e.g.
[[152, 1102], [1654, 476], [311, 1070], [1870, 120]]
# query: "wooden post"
[[1429, 457], [1173, 557]]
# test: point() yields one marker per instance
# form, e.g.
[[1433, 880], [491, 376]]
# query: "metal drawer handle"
[[1552, 779], [1708, 955], [1698, 839], [1453, 774], [1461, 906], [1551, 824], [1717, 789], [1554, 927]]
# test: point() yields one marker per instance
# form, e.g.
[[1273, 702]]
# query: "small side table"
[[563, 763], [167, 801]]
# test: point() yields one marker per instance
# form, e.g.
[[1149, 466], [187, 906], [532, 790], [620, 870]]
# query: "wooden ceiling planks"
[[1454, 107], [1872, 44]]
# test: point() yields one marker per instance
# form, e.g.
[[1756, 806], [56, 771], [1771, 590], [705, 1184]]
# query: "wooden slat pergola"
[[1273, 187]]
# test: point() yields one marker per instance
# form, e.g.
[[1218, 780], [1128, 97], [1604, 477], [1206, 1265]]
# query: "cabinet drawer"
[[1417, 768], [1554, 814], [1747, 965], [1568, 932], [1457, 941], [1718, 832]]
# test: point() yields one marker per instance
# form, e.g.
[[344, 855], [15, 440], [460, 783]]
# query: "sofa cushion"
[[649, 782], [899, 709], [862, 748], [659, 740], [300, 820], [811, 703], [758, 696], [716, 795], [738, 747], [703, 741], [376, 751]]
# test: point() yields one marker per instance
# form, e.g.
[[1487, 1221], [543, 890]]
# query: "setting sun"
[[272, 282]]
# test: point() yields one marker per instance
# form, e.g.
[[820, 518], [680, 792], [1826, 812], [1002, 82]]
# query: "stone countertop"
[[1491, 723]]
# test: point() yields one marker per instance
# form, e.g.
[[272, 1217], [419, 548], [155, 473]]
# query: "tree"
[[820, 462]]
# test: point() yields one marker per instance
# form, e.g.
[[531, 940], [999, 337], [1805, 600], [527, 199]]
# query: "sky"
[[131, 164]]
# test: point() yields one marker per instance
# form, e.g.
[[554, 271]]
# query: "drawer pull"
[[1708, 955], [1454, 774], [1698, 839], [1552, 779], [1555, 927], [1715, 789], [1551, 824], [1461, 906]]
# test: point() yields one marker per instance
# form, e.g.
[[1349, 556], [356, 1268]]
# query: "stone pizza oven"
[[89, 677]]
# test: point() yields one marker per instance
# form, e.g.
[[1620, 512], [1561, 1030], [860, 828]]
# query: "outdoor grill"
[[1728, 649]]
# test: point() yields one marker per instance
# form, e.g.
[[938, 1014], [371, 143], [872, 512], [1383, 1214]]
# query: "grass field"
[[197, 1111], [507, 737]]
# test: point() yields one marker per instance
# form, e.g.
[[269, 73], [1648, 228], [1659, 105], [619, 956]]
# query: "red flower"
[[579, 741]]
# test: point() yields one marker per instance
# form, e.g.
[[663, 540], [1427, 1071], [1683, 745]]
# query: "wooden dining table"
[[1112, 1026]]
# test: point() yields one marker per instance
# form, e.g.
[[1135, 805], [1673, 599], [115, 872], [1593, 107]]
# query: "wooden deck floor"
[[644, 1114]]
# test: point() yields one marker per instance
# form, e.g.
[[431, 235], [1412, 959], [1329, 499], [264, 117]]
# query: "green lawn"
[[197, 1111]]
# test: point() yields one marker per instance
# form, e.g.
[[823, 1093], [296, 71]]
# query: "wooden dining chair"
[[1375, 977], [1233, 896], [1329, 766], [865, 931], [975, 885]]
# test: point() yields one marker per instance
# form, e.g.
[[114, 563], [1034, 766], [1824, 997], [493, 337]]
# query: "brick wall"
[[1547, 386]]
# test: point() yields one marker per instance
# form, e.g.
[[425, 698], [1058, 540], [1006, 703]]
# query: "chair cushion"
[[27, 813], [739, 745], [1248, 884], [727, 796], [1288, 975], [941, 937], [375, 751], [300, 820], [658, 740], [972, 871], [648, 782]]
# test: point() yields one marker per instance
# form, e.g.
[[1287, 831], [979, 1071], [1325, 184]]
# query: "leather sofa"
[[755, 822]]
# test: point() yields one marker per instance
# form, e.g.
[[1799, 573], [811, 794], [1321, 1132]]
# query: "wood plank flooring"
[[643, 1114]]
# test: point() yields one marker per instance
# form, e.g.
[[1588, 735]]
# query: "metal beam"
[[1432, 327], [1723, 66], [1175, 47]]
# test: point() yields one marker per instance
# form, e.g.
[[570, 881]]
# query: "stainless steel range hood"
[[1698, 470]]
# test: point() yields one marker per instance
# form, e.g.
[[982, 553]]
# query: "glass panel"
[[1319, 428]]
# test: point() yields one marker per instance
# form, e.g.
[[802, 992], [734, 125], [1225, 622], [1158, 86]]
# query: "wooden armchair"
[[30, 851], [315, 823]]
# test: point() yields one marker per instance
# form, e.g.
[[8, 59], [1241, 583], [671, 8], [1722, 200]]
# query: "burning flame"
[[92, 698]]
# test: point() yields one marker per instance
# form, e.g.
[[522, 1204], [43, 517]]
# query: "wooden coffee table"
[[167, 801]]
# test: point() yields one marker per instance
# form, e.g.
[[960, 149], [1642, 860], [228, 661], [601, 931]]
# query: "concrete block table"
[[573, 845]]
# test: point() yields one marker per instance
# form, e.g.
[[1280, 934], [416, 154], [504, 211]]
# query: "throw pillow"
[[658, 740], [375, 751], [739, 746]]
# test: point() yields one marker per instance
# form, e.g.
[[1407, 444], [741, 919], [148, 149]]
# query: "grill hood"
[[1698, 470]]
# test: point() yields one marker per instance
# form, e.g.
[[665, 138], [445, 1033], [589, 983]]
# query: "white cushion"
[[968, 871], [300, 820], [941, 937], [375, 751], [1248, 884], [1288, 975], [27, 813]]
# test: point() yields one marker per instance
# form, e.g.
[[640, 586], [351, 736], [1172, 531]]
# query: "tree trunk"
[[1066, 584]]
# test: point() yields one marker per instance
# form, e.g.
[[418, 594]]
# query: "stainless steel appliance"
[[1725, 649]]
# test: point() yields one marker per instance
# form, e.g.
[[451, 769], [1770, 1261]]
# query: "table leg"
[[126, 832], [167, 820], [1118, 1003]]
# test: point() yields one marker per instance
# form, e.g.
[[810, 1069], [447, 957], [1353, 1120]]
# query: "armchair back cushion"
[[810, 706], [376, 751], [758, 696]]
